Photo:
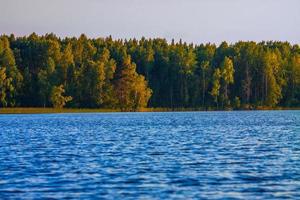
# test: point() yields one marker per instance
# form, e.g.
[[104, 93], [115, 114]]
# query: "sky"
[[196, 21]]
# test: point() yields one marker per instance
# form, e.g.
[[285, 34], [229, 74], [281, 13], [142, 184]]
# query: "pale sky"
[[197, 21]]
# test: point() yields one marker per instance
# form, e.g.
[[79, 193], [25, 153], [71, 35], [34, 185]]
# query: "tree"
[[91, 81], [44, 85], [7, 62], [57, 99], [95, 81], [292, 96], [107, 73], [66, 61], [46, 80], [108, 97], [227, 77], [5, 86], [272, 89], [131, 89], [204, 68], [215, 91]]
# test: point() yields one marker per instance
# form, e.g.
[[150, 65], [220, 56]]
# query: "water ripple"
[[191, 155]]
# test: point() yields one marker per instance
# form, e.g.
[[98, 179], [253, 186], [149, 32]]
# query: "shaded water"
[[209, 155]]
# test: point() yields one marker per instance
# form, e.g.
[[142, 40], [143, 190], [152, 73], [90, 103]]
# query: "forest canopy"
[[46, 71]]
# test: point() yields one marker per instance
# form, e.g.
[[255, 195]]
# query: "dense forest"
[[45, 71]]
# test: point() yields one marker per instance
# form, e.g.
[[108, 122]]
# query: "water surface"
[[186, 155]]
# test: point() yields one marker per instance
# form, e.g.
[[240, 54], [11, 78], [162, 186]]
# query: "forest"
[[49, 71]]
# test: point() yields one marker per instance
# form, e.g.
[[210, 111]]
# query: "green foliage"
[[118, 74], [5, 86], [11, 77], [227, 70], [131, 88], [227, 77], [271, 79], [57, 99], [215, 91]]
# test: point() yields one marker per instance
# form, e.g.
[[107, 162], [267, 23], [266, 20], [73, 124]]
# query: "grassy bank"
[[51, 110], [88, 110], [20, 110]]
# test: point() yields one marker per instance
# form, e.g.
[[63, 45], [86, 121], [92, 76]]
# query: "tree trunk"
[[203, 89]]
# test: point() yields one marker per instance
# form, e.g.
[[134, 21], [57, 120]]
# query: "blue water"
[[187, 155]]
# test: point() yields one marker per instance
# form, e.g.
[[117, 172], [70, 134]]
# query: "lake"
[[176, 155]]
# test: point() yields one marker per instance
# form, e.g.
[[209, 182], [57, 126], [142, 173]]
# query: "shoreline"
[[39, 110]]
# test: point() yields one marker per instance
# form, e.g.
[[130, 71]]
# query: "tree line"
[[44, 71]]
